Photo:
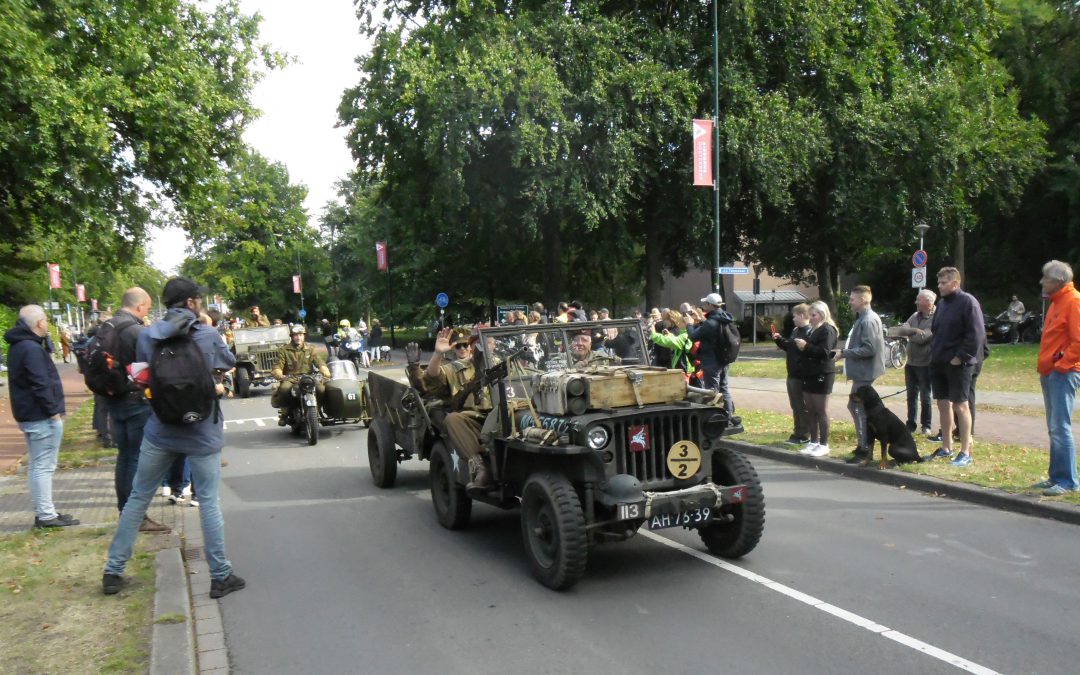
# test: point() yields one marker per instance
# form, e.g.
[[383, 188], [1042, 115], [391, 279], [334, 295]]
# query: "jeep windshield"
[[255, 336], [547, 347]]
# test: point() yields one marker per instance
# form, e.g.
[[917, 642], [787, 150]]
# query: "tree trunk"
[[654, 281], [552, 271], [826, 289]]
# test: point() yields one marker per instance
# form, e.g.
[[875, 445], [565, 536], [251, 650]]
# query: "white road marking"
[[850, 617], [257, 421]]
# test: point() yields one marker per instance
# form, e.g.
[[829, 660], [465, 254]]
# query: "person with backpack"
[[718, 345], [186, 362], [108, 355]]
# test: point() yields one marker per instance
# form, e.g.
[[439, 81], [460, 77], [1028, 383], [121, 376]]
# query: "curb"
[[975, 494], [172, 648]]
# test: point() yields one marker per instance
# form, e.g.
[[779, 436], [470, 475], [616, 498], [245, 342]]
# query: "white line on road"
[[850, 617], [257, 421]]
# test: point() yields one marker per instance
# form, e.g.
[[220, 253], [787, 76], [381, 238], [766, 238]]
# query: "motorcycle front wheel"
[[312, 415]]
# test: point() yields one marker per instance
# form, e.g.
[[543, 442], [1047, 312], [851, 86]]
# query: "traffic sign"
[[442, 300], [919, 259], [734, 270], [918, 277], [302, 314]]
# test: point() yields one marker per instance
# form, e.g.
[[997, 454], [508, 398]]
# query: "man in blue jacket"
[[200, 441], [37, 403]]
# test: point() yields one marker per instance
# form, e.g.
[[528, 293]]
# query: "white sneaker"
[[166, 491], [820, 451], [187, 490], [808, 448]]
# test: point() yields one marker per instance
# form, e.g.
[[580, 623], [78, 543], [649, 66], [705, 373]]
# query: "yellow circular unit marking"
[[684, 459]]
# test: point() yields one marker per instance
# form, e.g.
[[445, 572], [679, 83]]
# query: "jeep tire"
[[452, 506], [738, 536], [553, 530], [243, 382], [382, 455]]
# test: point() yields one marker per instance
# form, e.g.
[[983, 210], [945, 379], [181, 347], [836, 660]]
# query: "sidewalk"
[[12, 444]]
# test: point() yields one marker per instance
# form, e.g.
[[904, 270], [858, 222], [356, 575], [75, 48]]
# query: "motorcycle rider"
[[347, 334], [293, 360]]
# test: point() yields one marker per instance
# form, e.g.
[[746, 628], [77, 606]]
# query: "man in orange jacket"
[[1059, 374]]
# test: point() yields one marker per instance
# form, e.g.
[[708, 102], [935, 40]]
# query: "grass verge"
[[80, 446], [1009, 368], [1012, 468], [56, 619]]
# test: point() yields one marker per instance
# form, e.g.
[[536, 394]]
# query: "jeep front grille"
[[665, 429], [265, 360]]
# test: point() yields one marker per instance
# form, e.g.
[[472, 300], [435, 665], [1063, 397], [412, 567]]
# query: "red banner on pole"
[[93, 304], [703, 153], [296, 283], [54, 275], [80, 292], [380, 256]]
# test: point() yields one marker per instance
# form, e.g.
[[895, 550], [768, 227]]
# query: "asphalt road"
[[850, 577]]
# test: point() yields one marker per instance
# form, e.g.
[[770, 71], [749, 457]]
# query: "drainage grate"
[[194, 553]]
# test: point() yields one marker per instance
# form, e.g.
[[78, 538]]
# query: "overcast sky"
[[298, 103]]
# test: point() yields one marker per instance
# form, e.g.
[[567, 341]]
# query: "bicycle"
[[895, 351]]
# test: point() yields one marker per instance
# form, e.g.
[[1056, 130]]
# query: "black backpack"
[[101, 365], [728, 342], [181, 388]]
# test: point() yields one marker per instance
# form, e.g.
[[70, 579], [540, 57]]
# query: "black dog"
[[884, 426]]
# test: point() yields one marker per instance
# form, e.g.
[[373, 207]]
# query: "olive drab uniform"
[[292, 362], [260, 321], [467, 427]]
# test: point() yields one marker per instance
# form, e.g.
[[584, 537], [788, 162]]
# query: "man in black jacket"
[[37, 403], [707, 331], [129, 410]]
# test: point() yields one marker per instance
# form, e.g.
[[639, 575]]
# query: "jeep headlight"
[[597, 437]]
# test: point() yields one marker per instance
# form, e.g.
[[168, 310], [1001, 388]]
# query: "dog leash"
[[895, 394]]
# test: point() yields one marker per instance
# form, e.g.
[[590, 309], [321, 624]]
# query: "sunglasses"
[[461, 345]]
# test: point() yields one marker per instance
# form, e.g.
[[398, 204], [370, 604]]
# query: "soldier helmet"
[[297, 328], [344, 323]]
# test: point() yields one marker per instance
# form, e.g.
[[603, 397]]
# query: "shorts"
[[951, 382]]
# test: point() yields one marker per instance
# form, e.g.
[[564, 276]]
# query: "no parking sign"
[[918, 277]]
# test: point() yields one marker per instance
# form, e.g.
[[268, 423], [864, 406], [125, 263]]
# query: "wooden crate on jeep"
[[616, 389]]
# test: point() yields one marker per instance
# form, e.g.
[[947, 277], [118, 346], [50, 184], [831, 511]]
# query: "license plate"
[[690, 518], [630, 511]]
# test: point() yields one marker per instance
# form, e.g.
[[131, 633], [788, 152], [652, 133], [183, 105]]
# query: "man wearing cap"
[[162, 443], [444, 379], [257, 319], [293, 360], [707, 330]]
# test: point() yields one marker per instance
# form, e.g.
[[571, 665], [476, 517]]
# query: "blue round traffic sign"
[[919, 259], [442, 300], [302, 314]]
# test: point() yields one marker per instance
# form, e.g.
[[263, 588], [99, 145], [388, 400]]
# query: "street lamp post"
[[922, 227]]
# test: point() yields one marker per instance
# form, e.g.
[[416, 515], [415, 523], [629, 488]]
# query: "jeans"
[[128, 419], [716, 378], [154, 462], [798, 408], [1059, 395], [43, 442], [917, 381], [858, 414]]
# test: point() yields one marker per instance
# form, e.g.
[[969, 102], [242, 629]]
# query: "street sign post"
[[919, 259], [442, 300], [302, 314], [734, 270], [918, 277]]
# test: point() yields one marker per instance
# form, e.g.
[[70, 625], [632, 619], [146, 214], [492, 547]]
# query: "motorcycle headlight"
[[597, 437]]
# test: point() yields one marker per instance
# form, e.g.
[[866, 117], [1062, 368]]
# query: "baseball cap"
[[179, 289], [713, 299]]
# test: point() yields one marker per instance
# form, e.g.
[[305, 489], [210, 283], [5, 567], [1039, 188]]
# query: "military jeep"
[[256, 352], [591, 449]]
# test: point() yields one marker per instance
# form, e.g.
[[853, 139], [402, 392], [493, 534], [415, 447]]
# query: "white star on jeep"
[[454, 459]]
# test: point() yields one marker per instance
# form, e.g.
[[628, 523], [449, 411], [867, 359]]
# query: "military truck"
[[256, 352], [591, 447]]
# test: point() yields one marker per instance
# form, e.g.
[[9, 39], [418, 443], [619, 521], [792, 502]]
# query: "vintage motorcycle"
[[343, 401]]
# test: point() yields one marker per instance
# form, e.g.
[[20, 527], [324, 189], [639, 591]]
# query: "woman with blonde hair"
[[818, 376]]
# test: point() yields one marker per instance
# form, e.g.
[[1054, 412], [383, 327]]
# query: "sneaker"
[[962, 459], [940, 453], [194, 500], [1056, 491], [926, 432], [794, 440], [936, 438], [219, 588], [819, 450], [176, 499], [808, 448], [112, 583], [150, 525], [1043, 484], [858, 455], [61, 520], [166, 491], [187, 490]]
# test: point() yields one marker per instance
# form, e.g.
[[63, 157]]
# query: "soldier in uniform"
[[445, 379], [257, 319], [294, 360], [582, 355]]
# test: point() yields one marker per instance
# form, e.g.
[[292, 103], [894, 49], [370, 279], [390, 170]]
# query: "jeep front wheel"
[[243, 382], [382, 454], [553, 530], [738, 527], [452, 506]]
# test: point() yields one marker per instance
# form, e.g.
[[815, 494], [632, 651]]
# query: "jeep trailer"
[[592, 447]]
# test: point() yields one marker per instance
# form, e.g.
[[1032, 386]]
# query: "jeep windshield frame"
[[263, 335]]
